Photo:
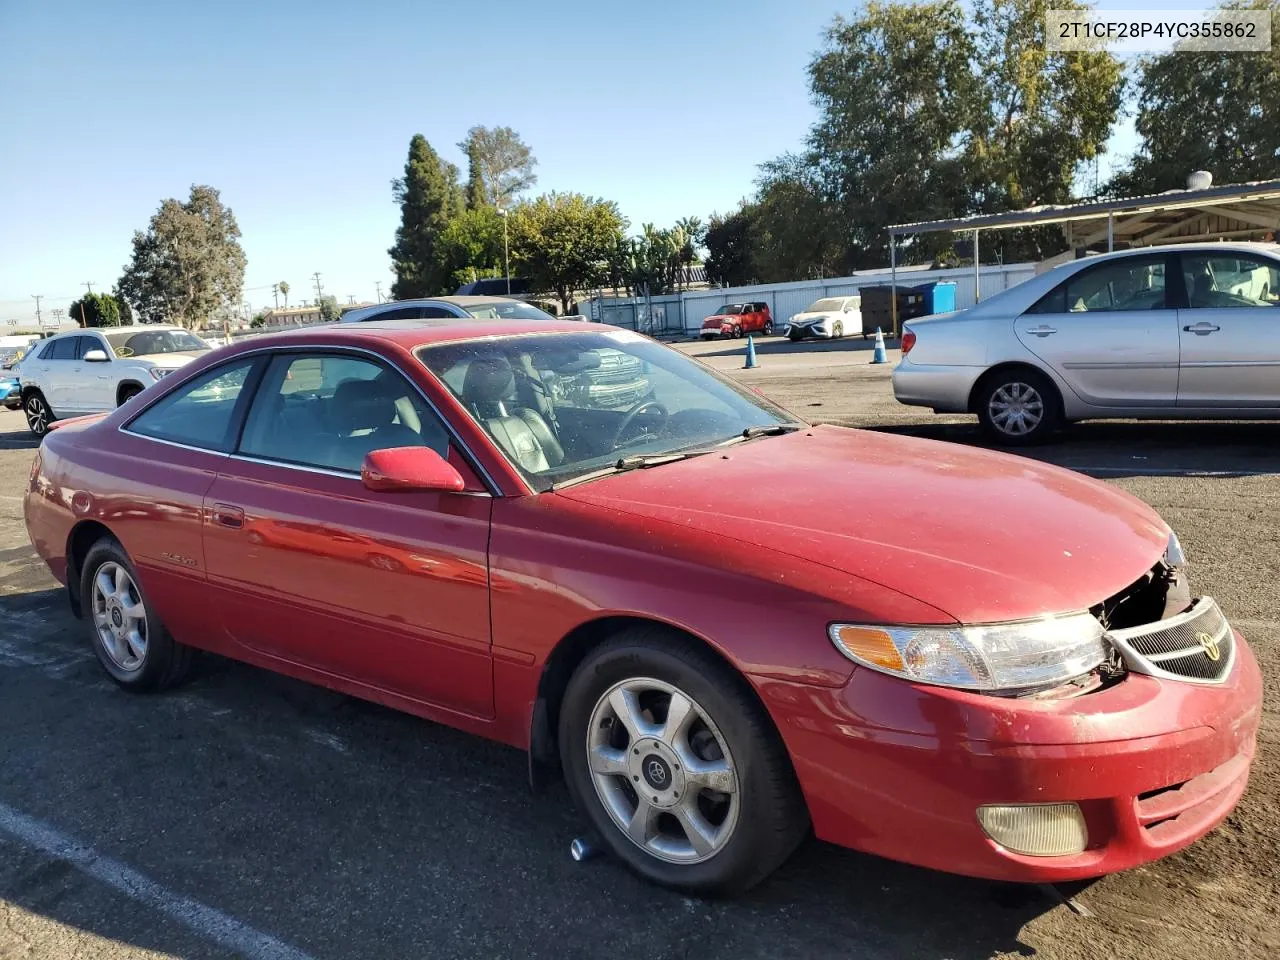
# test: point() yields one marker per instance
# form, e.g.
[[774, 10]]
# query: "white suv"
[[91, 371]]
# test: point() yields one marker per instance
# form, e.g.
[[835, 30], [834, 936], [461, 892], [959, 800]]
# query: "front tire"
[[674, 761], [130, 642], [126, 394], [838, 330], [1019, 408], [38, 414], [737, 332]]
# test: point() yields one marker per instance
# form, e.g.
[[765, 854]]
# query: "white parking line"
[[206, 921]]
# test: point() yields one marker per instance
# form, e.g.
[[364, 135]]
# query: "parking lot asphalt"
[[250, 815]]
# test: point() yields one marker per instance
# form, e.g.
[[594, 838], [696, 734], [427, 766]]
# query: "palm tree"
[[284, 292]]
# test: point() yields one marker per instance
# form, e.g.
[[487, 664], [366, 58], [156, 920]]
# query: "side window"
[[46, 352], [200, 413], [434, 313], [1134, 283], [1216, 280], [399, 313], [64, 348], [88, 343], [329, 410]]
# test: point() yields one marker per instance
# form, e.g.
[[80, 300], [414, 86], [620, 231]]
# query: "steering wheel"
[[630, 418]]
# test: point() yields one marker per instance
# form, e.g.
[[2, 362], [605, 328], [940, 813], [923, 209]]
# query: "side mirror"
[[409, 468], [96, 356]]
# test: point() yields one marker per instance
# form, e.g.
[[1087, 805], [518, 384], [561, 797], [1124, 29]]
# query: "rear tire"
[[38, 414], [129, 640], [768, 328], [625, 765], [1018, 408]]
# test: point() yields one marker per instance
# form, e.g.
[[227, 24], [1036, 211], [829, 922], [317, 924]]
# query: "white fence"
[[684, 312]]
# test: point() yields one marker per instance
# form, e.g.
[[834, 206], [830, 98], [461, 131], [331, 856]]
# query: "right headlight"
[[991, 658]]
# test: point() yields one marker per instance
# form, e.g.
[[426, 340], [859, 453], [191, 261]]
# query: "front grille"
[[1197, 645]]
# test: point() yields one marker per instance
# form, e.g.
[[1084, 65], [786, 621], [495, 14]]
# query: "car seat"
[[522, 433], [364, 418]]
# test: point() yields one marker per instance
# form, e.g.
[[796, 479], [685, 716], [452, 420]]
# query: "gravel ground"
[[250, 815]]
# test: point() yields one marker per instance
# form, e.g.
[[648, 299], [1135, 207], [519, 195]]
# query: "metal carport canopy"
[[1229, 210]]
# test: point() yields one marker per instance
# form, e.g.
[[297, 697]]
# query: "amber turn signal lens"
[[871, 646]]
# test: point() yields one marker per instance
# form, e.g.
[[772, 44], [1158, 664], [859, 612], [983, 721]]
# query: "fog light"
[[1036, 829]]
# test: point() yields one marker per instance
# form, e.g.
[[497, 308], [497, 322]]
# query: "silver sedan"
[[1186, 331]]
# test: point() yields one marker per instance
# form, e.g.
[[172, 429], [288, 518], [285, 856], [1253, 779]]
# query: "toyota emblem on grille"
[[1209, 645]]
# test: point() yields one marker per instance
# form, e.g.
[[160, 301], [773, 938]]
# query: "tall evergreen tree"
[[429, 197], [506, 163], [477, 192]]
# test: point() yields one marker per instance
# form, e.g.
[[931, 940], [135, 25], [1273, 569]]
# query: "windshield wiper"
[[764, 430], [623, 464]]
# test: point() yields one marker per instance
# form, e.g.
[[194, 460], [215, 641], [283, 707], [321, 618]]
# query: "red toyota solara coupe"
[[999, 671]]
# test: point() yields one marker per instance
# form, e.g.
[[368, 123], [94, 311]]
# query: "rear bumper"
[[944, 388], [899, 770]]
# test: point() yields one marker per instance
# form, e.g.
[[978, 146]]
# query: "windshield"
[[567, 404], [507, 310], [829, 305], [150, 342], [731, 308]]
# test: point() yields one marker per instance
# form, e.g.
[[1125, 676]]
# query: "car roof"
[[411, 334], [133, 328]]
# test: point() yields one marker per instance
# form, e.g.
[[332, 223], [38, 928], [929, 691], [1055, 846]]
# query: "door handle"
[[1202, 329], [1043, 330], [225, 515]]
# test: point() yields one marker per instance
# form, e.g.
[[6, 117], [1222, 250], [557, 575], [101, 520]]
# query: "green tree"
[[96, 310], [729, 246], [329, 309], [470, 246], [796, 232], [501, 165], [189, 262], [429, 197], [562, 242], [284, 292], [1207, 111], [126, 311], [259, 320], [1042, 115], [896, 93]]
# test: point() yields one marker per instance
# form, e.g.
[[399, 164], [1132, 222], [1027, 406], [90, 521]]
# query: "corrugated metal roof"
[[1097, 209]]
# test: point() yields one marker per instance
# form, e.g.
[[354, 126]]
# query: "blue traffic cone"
[[878, 356], [751, 353]]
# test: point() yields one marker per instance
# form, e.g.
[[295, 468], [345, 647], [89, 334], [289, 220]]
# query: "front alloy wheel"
[[663, 771], [671, 756]]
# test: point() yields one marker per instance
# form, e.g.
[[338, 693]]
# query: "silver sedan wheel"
[[37, 415], [120, 617], [663, 771], [1016, 409]]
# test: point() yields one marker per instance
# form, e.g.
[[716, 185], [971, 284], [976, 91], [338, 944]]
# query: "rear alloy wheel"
[[131, 643], [768, 328], [1019, 408], [38, 414], [677, 766]]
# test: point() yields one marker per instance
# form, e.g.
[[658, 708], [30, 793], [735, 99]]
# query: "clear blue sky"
[[301, 114]]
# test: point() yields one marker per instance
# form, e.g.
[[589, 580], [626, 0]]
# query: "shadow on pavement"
[[1137, 449], [347, 830]]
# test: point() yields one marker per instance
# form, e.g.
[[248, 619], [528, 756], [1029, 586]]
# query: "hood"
[[172, 360], [980, 536], [716, 319]]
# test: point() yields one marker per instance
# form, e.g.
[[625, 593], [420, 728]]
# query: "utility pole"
[[351, 298], [506, 264], [37, 297], [88, 284], [319, 289], [58, 314], [377, 285], [275, 292]]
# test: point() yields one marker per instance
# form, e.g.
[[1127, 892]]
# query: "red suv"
[[737, 319]]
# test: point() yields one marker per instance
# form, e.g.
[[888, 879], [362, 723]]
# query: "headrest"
[[488, 379], [362, 405]]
